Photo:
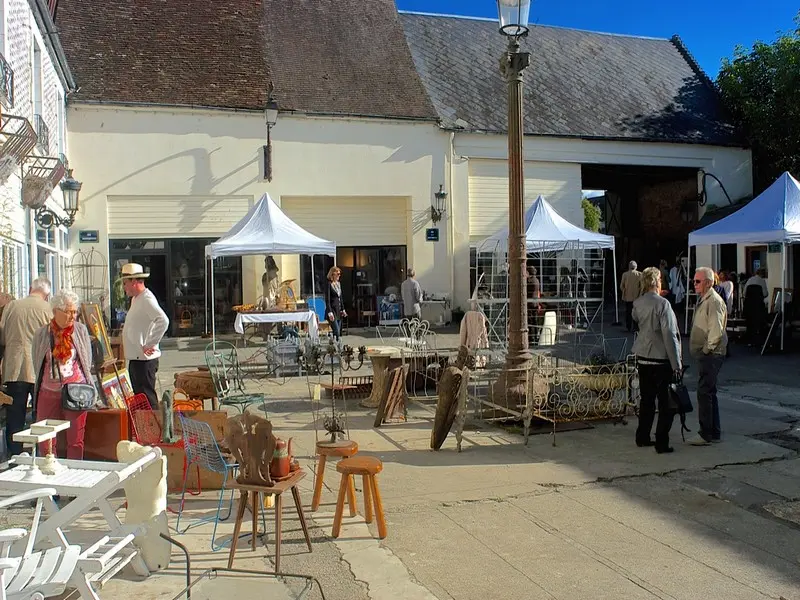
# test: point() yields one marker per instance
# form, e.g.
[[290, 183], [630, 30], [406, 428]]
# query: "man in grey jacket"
[[411, 292], [708, 342], [658, 353]]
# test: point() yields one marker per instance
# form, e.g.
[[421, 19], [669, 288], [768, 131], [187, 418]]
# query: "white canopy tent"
[[547, 231], [265, 229], [773, 217]]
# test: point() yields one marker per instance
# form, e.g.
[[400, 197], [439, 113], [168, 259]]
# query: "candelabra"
[[312, 358]]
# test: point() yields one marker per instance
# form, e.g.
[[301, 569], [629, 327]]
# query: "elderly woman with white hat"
[[145, 325]]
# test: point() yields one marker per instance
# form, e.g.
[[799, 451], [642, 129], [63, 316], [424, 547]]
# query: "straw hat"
[[133, 271]]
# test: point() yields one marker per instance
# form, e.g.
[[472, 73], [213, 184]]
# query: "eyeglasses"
[[698, 281], [68, 312]]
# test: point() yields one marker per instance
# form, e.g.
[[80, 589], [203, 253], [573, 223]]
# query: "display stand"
[[40, 432]]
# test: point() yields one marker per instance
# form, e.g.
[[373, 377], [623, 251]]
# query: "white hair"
[[41, 284], [411, 272], [632, 265], [708, 273], [63, 298]]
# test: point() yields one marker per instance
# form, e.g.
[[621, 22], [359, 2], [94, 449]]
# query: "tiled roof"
[[198, 53], [322, 56], [579, 83]]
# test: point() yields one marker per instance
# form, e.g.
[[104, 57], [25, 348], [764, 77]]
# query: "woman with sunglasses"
[[62, 354]]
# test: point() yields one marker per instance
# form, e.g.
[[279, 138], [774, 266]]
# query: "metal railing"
[[42, 133], [6, 83]]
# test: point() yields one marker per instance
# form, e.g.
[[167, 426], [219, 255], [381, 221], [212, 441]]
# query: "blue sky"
[[710, 28]]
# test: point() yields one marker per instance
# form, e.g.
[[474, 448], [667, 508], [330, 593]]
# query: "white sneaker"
[[698, 440]]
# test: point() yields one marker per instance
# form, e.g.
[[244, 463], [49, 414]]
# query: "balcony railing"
[[42, 133], [6, 83]]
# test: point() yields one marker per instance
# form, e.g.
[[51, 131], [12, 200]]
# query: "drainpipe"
[[451, 221]]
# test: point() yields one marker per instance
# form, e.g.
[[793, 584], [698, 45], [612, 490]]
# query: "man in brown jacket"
[[21, 319], [631, 287]]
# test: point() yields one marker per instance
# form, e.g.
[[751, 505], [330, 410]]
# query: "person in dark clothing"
[[334, 304], [658, 356]]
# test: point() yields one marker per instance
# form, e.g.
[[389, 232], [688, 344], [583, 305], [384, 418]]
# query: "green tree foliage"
[[760, 87], [591, 215]]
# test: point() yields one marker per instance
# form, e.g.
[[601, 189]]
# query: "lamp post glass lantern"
[[514, 16]]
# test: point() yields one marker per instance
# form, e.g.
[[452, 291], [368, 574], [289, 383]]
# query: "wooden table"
[[88, 485], [384, 359], [255, 493]]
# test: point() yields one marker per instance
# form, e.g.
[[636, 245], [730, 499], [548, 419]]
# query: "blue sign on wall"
[[432, 234], [88, 236]]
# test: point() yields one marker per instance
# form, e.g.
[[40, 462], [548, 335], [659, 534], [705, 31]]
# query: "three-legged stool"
[[368, 467], [255, 493], [342, 449]]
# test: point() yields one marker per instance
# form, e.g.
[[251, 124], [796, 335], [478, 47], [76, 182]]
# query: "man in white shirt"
[[145, 325]]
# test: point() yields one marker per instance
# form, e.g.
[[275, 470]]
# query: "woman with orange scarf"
[[62, 354]]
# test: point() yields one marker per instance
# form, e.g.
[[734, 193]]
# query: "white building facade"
[[34, 83]]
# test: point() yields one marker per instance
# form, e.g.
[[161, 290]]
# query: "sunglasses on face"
[[698, 281]]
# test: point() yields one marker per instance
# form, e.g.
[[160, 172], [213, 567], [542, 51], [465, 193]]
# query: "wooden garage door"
[[348, 221], [174, 216], [560, 183]]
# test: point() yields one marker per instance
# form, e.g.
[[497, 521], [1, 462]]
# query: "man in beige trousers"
[[21, 319], [631, 287]]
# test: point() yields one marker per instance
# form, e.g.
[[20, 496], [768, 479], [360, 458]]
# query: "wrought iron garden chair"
[[202, 450], [226, 373]]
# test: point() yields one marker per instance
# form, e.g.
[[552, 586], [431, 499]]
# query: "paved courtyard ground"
[[593, 517]]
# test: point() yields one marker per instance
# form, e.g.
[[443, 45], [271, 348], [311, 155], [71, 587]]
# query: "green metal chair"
[[226, 373]]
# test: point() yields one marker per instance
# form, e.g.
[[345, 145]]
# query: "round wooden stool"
[[342, 449], [368, 467]]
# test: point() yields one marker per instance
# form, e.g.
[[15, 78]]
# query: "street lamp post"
[[513, 15]]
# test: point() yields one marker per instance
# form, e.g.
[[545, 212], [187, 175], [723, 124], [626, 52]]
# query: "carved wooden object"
[[252, 444]]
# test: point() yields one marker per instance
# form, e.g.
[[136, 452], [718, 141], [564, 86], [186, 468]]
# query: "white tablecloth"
[[305, 316]]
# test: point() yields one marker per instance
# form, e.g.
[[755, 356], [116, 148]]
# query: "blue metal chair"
[[222, 360], [202, 450]]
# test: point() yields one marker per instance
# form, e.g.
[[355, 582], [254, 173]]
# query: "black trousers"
[[629, 316], [143, 379], [16, 412], [654, 384]]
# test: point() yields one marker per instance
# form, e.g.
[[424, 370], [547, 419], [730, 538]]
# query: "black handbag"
[[681, 402], [74, 396]]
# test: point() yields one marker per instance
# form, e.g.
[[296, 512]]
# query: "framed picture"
[[116, 388], [92, 316]]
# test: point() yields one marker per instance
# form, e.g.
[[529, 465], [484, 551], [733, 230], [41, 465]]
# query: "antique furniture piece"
[[226, 373], [393, 399], [384, 359], [87, 485], [253, 494], [368, 467], [47, 573], [342, 449]]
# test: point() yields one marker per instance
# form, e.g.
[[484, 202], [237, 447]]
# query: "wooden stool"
[[254, 492], [367, 467], [342, 449]]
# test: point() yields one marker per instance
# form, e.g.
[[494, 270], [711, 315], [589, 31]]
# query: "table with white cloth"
[[87, 485], [306, 316]]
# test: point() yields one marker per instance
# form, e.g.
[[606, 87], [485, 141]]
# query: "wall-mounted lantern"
[[271, 117], [439, 205]]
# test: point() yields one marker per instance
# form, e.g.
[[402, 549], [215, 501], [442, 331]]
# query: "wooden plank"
[[104, 429]]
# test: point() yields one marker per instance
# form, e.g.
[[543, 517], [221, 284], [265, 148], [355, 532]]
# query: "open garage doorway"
[[649, 210]]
